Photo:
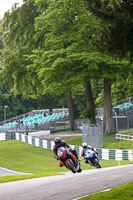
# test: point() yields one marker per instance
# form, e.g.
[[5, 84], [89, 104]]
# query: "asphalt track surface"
[[8, 172], [67, 187]]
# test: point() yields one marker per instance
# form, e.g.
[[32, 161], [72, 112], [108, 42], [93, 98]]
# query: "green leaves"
[[116, 18]]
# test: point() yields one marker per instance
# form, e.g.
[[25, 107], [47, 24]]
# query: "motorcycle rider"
[[86, 147], [59, 143]]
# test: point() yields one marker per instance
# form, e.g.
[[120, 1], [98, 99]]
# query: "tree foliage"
[[18, 28], [116, 18], [52, 47]]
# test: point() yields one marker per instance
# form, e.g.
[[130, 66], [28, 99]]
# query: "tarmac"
[[62, 136], [8, 172]]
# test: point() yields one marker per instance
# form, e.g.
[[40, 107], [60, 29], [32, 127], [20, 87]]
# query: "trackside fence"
[[124, 137], [104, 154], [93, 135]]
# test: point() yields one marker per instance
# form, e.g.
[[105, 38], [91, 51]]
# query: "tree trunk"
[[90, 103], [108, 117], [71, 111]]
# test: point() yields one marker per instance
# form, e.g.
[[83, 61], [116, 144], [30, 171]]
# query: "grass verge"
[[22, 157], [124, 192]]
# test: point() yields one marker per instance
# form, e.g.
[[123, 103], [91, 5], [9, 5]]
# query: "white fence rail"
[[124, 137]]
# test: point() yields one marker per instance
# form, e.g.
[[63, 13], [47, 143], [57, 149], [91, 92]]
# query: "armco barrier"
[[104, 154]]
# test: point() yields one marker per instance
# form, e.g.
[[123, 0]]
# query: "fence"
[[124, 137], [105, 154], [93, 135]]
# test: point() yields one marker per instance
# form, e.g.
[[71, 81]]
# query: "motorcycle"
[[68, 159], [92, 158]]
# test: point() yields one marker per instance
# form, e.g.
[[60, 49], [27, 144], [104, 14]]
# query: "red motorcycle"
[[68, 160]]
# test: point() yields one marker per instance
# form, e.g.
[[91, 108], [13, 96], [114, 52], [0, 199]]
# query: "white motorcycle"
[[92, 158]]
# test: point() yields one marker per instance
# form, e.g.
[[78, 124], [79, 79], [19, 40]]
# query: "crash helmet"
[[57, 141], [84, 145]]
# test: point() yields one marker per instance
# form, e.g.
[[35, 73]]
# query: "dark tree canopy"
[[116, 18]]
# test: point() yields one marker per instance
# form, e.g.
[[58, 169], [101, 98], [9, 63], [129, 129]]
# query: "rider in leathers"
[[85, 148], [59, 143]]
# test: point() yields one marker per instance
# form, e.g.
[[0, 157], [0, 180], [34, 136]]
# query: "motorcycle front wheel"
[[80, 169], [70, 166]]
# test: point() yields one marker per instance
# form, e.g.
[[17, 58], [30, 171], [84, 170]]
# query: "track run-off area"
[[69, 186]]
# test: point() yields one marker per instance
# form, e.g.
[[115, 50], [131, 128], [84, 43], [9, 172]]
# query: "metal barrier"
[[93, 135]]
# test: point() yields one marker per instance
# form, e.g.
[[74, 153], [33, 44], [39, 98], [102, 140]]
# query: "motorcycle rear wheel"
[[96, 163], [79, 170], [70, 166]]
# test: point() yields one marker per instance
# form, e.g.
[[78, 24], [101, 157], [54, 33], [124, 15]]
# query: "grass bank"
[[22, 157], [124, 192]]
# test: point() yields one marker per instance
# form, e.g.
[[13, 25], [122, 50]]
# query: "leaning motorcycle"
[[68, 160], [92, 158]]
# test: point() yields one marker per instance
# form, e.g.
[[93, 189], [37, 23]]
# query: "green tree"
[[1, 33], [116, 18], [18, 28], [19, 31], [66, 57], [113, 37], [18, 39], [56, 54]]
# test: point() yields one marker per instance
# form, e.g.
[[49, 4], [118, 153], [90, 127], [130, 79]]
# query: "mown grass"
[[23, 157], [124, 192]]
